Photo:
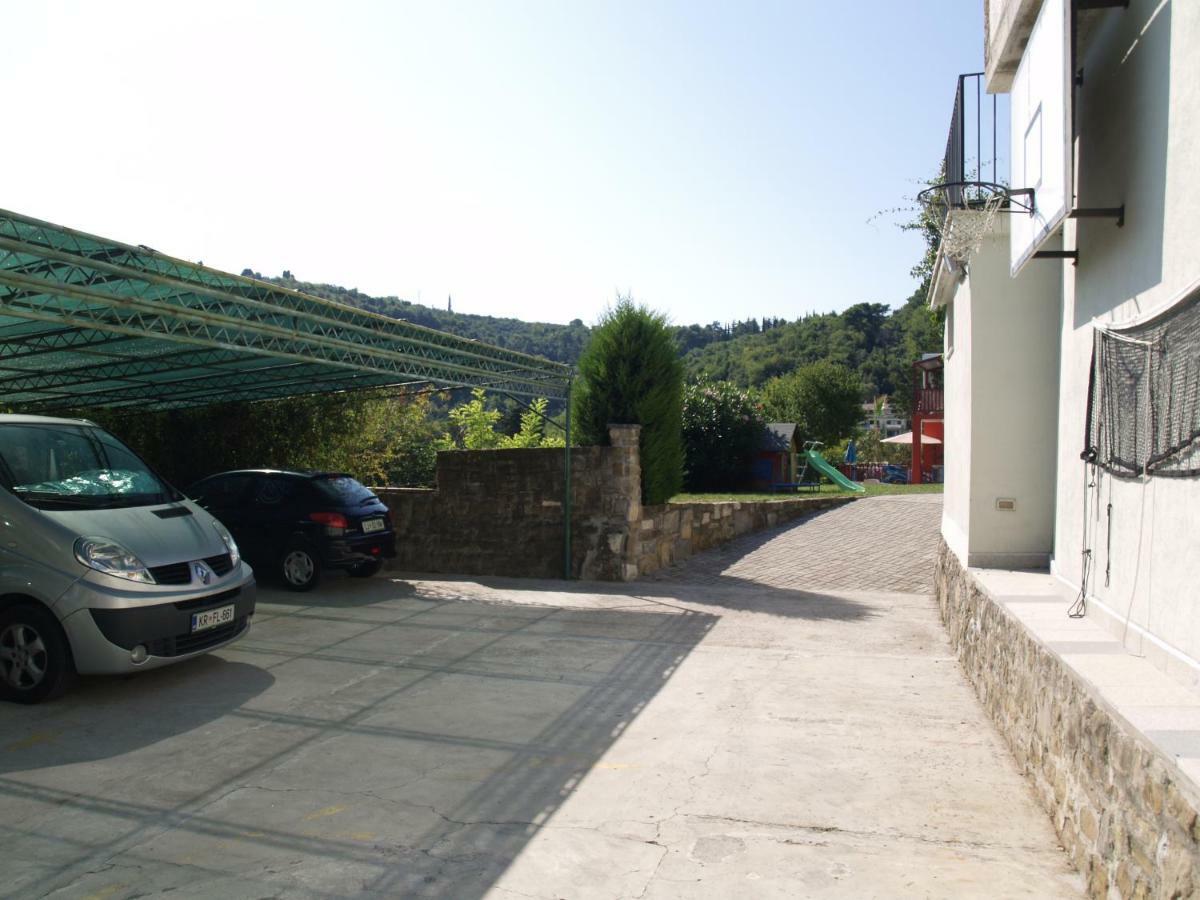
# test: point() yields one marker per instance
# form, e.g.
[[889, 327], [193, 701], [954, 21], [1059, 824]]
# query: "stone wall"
[[1124, 815], [500, 512], [672, 532]]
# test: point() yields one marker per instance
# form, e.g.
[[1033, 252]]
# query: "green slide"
[[817, 461]]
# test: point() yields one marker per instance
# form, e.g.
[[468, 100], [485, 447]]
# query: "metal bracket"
[[1084, 5], [1057, 254], [1100, 212], [1023, 192]]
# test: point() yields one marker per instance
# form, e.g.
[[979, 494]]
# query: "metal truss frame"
[[90, 322], [85, 321]]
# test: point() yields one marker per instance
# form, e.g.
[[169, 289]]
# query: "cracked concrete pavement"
[[779, 718]]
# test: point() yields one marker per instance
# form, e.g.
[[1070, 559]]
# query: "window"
[[222, 491], [273, 490], [74, 466]]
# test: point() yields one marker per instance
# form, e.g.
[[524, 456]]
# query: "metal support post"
[[567, 573], [1100, 212]]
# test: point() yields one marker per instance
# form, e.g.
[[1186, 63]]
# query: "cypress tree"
[[631, 374]]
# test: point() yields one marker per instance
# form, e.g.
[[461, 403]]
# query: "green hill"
[[562, 343], [868, 338], [871, 339]]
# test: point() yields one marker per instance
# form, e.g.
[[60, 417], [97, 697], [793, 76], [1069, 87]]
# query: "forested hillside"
[[870, 339], [562, 343]]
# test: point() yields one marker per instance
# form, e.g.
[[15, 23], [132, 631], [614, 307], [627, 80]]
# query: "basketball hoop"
[[963, 212]]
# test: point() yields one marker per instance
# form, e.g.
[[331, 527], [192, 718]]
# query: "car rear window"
[[342, 489]]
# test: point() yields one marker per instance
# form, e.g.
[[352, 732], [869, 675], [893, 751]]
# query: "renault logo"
[[203, 573]]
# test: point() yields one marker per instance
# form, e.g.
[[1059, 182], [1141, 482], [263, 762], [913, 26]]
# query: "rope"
[[1078, 609]]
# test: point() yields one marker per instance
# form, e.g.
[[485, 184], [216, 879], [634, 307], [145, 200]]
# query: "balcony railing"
[[928, 400], [978, 146]]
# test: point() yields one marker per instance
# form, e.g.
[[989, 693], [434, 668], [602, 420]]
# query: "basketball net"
[[964, 228]]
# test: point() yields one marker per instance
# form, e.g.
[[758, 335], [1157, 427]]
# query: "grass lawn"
[[873, 490]]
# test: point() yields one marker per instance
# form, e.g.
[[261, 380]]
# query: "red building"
[[927, 406]]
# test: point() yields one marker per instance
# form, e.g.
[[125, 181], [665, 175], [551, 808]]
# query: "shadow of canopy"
[[457, 728]]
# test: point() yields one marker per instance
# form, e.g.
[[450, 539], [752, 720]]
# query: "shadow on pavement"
[[375, 744], [712, 595], [108, 716]]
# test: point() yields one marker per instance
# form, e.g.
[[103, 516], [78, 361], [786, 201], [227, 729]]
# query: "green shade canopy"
[[85, 321]]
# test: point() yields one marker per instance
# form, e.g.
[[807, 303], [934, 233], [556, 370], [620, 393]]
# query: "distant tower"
[[449, 303]]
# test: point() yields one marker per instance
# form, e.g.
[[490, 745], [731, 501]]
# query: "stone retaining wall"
[[673, 532], [1124, 815], [500, 512]]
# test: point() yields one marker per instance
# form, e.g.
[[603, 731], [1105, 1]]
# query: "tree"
[[722, 429], [532, 432], [823, 399], [476, 426], [378, 437], [871, 449], [475, 423], [630, 374]]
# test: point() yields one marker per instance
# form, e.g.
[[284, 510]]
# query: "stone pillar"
[[626, 490], [625, 435]]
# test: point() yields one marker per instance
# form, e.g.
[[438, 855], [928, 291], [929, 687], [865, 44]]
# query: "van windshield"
[[75, 467]]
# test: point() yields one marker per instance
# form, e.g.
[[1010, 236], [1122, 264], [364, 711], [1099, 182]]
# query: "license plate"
[[211, 618], [370, 525]]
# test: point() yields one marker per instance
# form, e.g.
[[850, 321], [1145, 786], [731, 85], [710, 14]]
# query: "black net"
[[1144, 401]]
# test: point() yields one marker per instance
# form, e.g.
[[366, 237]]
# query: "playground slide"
[[817, 461]]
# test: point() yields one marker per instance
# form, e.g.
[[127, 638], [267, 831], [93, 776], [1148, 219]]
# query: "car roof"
[[16, 419], [305, 473]]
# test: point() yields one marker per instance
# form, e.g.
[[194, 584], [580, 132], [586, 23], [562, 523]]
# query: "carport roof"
[[86, 321]]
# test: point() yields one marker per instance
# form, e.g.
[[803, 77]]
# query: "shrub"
[[475, 427], [378, 437], [630, 374], [722, 430], [475, 423]]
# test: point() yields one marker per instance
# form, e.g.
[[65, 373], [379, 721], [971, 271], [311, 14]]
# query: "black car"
[[295, 524]]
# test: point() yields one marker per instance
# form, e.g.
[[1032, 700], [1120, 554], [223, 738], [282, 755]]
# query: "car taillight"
[[330, 519]]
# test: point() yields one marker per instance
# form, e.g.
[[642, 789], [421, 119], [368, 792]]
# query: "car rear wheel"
[[366, 569], [300, 568], [35, 662]]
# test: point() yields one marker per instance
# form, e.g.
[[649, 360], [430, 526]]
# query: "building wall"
[[1139, 143], [1001, 410], [1014, 407], [956, 501]]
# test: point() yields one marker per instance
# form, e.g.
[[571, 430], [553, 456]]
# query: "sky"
[[529, 158]]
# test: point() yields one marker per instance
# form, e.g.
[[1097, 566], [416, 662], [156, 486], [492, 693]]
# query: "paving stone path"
[[780, 718], [881, 543]]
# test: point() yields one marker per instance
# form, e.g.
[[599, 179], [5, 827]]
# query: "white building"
[[1098, 112], [882, 418]]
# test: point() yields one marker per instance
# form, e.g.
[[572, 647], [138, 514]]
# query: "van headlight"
[[230, 543], [111, 558]]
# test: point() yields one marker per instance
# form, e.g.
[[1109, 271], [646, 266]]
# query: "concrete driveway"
[[780, 718]]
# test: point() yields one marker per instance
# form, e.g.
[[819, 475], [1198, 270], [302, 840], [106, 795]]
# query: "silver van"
[[104, 567]]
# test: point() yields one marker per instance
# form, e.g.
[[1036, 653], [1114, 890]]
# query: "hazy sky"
[[717, 160]]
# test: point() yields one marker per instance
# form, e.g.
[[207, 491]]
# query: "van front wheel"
[[35, 663]]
